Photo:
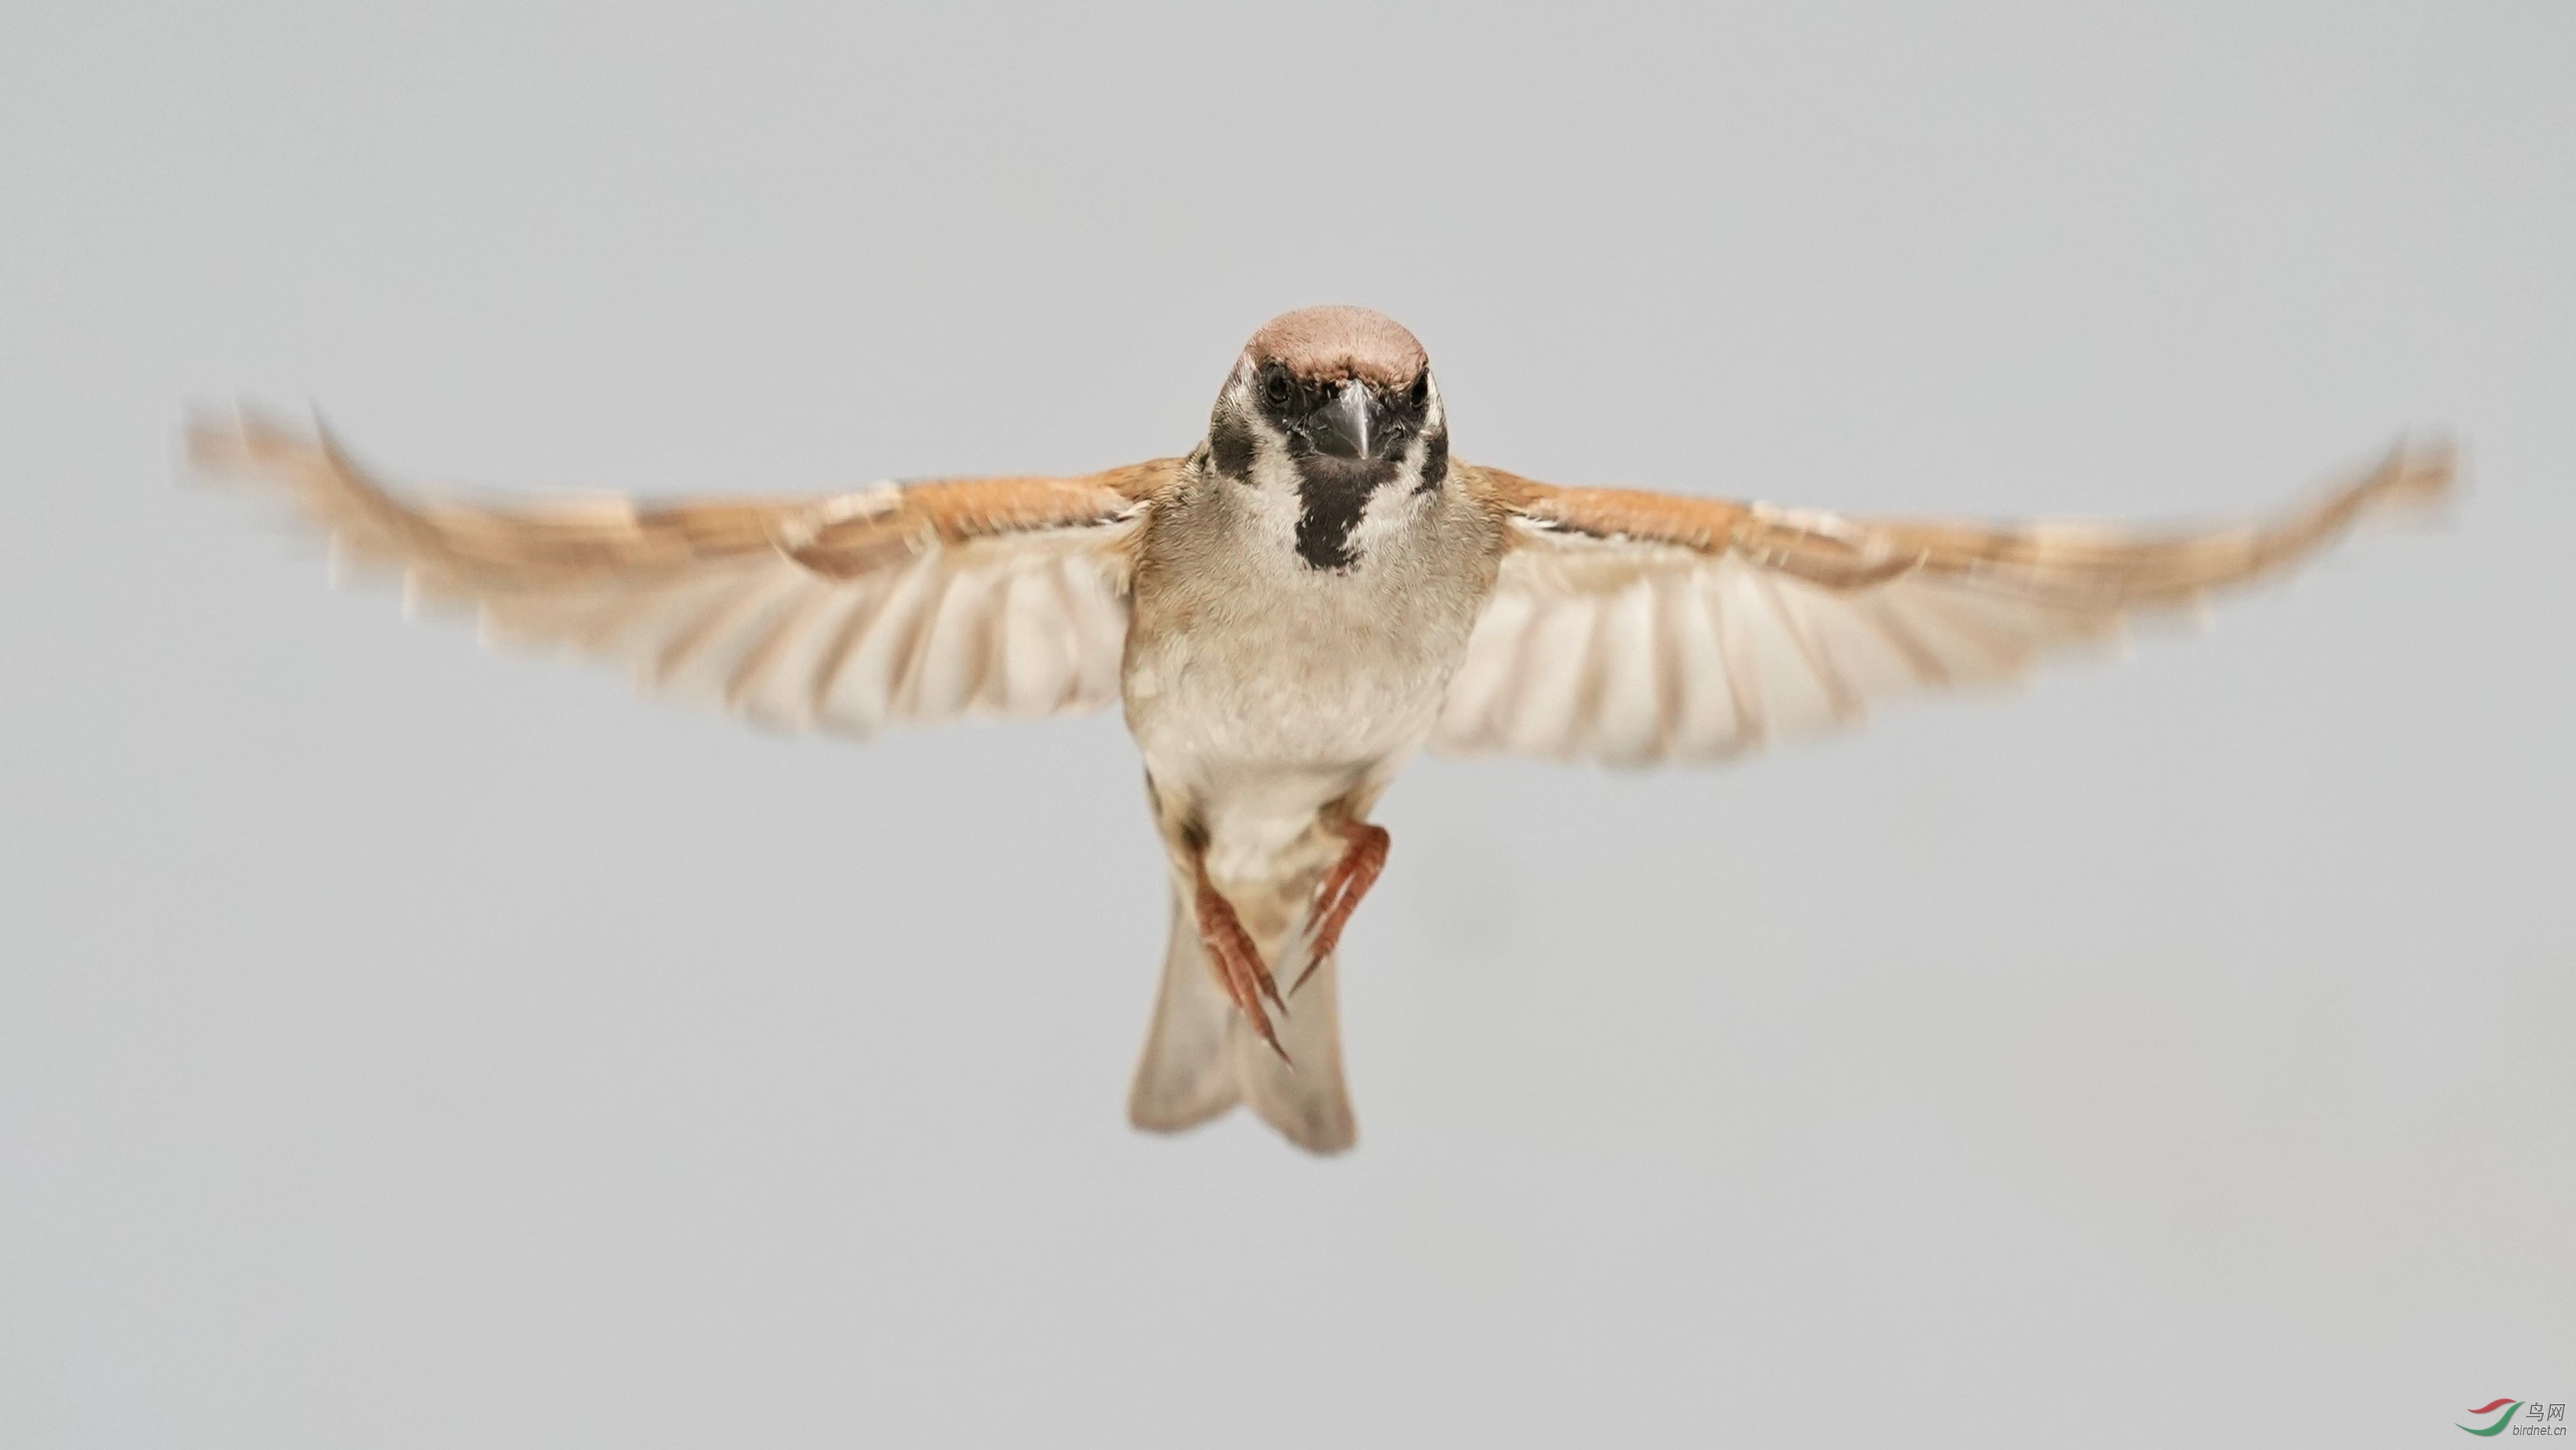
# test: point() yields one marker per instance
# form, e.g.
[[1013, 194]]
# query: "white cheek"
[[1391, 518], [1264, 509], [1273, 498]]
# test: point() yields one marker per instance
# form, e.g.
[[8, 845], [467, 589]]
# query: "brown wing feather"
[[1800, 620], [832, 611]]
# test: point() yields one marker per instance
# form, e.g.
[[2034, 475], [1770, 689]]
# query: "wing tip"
[[2418, 472], [244, 440]]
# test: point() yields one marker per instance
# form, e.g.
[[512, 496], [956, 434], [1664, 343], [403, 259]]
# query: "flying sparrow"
[[1288, 612]]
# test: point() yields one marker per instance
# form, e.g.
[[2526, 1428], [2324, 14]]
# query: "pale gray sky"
[[401, 1046]]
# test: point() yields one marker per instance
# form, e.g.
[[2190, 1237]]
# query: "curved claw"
[[1236, 960], [1342, 888]]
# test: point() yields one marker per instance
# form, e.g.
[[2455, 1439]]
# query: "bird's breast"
[[1297, 669], [1286, 682]]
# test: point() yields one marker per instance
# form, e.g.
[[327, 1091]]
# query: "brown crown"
[[1330, 344]]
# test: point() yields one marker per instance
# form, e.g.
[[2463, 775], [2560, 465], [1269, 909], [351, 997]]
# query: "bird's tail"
[[1202, 1058]]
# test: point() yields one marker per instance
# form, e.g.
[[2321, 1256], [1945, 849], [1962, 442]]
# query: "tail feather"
[[1304, 1098], [1186, 1075], [1201, 1057]]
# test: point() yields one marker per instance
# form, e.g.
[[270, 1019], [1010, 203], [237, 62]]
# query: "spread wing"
[[1638, 627], [920, 602]]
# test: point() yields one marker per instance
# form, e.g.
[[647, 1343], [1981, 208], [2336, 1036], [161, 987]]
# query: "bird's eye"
[[1420, 392], [1276, 389]]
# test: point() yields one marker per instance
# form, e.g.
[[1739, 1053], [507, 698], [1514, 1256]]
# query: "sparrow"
[[1288, 613]]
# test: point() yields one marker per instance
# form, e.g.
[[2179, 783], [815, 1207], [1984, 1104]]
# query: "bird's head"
[[1332, 408]]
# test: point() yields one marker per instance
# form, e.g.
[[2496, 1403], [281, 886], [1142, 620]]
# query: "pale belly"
[[1264, 691], [1261, 718]]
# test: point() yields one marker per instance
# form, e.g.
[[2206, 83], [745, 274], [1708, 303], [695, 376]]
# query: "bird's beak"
[[1348, 426]]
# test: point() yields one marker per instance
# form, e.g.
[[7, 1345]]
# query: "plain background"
[[401, 1046]]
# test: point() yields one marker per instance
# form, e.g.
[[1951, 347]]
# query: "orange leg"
[[1344, 885], [1236, 959]]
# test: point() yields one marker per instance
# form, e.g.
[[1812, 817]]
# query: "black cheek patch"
[[1231, 444], [1435, 461]]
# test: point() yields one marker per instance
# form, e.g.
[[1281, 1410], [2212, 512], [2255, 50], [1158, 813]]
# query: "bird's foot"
[[1236, 959], [1344, 885]]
